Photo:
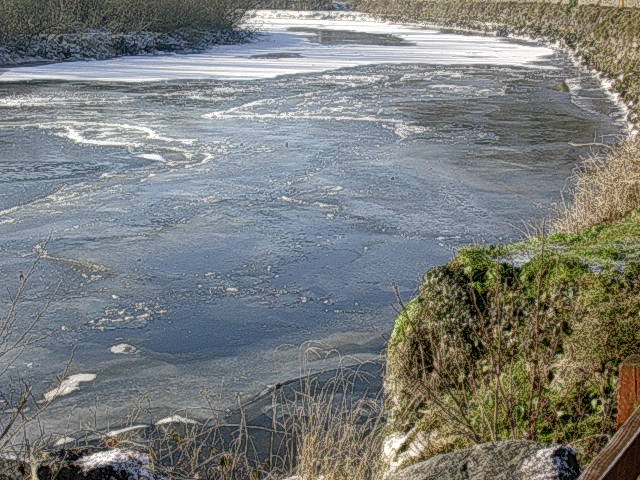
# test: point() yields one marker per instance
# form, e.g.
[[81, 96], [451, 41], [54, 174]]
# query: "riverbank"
[[53, 31], [296, 4], [524, 340], [102, 45]]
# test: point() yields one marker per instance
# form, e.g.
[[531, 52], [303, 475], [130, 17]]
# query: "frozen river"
[[208, 214]]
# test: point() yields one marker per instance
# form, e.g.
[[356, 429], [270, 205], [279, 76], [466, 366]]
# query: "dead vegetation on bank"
[[19, 18], [296, 4], [317, 429]]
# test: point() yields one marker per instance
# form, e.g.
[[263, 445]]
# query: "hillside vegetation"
[[524, 340], [20, 18]]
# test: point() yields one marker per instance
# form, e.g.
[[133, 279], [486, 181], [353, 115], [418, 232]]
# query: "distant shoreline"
[[102, 45]]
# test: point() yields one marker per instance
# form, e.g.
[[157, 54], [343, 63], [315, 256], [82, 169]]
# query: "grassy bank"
[[520, 341], [524, 340], [19, 18]]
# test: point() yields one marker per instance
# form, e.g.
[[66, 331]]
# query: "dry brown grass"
[[335, 437], [606, 188]]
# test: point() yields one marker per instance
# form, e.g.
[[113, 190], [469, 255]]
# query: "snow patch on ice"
[[123, 349], [64, 441], [404, 130], [62, 98], [333, 189], [132, 428], [69, 385], [152, 156]]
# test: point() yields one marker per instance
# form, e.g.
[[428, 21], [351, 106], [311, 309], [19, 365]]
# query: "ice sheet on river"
[[200, 232], [288, 46]]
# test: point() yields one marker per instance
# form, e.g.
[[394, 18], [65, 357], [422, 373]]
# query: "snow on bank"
[[282, 51], [127, 463], [102, 45]]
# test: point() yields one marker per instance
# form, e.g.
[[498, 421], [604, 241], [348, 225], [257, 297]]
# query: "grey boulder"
[[508, 460]]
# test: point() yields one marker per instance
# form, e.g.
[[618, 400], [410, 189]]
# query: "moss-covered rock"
[[518, 341]]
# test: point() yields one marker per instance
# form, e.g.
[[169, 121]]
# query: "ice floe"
[[69, 385], [123, 349]]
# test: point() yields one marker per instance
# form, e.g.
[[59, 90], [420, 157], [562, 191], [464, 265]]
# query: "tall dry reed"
[[606, 188]]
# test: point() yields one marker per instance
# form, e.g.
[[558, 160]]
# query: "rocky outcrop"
[[100, 45], [84, 464], [509, 460]]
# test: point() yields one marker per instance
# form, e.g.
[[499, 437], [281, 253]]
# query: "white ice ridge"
[[69, 385], [239, 62], [176, 419], [132, 428]]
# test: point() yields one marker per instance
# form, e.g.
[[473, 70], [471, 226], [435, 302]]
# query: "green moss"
[[406, 318], [604, 243], [481, 267], [550, 272]]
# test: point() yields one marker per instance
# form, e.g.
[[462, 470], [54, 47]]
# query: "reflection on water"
[[346, 37]]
